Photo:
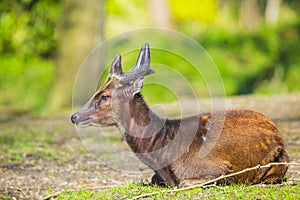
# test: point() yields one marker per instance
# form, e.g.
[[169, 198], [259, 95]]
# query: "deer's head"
[[118, 88]]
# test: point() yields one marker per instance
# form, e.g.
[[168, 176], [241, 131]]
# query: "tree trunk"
[[80, 30], [272, 11], [250, 16], [159, 13]]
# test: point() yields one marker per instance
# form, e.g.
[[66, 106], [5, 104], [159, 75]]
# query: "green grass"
[[21, 141], [38, 138], [16, 151], [24, 83], [131, 190]]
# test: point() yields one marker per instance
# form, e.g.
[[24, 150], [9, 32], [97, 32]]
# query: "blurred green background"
[[254, 43]]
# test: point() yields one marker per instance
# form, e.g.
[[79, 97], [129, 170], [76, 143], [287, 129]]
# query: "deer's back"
[[247, 138]]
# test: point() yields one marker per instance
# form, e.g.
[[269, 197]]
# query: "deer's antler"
[[141, 67]]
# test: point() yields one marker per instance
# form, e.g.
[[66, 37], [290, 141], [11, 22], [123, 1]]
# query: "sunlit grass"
[[132, 190]]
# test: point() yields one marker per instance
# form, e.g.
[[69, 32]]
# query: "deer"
[[244, 138]]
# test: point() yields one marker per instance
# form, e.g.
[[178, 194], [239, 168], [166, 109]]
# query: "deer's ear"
[[133, 88], [137, 85]]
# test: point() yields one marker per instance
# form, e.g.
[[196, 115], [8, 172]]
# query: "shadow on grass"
[[9, 115]]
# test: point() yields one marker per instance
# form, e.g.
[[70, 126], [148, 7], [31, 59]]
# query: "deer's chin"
[[85, 123], [89, 122]]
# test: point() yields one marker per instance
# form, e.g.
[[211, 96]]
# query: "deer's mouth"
[[81, 121], [84, 123]]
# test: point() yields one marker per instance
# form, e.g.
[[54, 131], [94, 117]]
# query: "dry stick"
[[213, 180], [19, 190]]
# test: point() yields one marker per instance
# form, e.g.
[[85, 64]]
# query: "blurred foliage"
[[135, 13], [204, 11], [28, 27], [265, 60], [27, 48]]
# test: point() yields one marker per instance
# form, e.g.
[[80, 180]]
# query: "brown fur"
[[248, 138], [190, 150]]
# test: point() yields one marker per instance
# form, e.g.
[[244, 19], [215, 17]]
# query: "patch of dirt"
[[38, 175]]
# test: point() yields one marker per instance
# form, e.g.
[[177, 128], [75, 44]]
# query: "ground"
[[43, 154]]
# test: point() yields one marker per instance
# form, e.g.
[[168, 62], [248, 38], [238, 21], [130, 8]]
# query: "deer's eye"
[[101, 100], [104, 98]]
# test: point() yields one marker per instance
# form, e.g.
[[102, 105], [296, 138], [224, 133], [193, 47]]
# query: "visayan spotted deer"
[[171, 147]]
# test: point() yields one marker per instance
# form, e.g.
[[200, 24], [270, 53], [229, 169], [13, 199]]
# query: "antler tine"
[[147, 55], [145, 64], [143, 57], [143, 61], [141, 68], [116, 66]]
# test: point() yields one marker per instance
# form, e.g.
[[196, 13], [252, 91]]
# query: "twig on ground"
[[164, 191], [213, 180], [296, 179], [19, 190], [54, 195]]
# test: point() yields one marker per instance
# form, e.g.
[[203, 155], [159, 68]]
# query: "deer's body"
[[242, 138], [248, 138]]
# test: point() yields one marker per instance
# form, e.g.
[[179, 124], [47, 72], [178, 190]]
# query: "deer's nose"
[[74, 118]]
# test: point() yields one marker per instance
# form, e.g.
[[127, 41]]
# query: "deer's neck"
[[158, 142], [143, 130]]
